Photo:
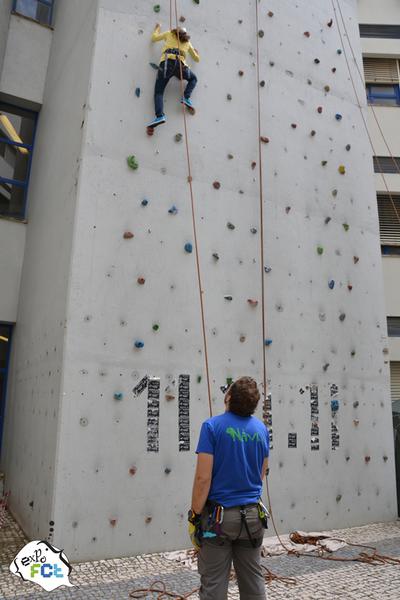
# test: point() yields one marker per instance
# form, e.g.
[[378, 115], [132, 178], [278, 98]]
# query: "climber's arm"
[[157, 36], [193, 53]]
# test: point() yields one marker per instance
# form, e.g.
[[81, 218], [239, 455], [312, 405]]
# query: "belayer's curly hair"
[[244, 396], [183, 35]]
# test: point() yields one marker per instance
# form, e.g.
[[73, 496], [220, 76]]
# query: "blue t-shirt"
[[239, 445]]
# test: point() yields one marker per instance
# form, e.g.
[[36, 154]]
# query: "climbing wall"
[[134, 381]]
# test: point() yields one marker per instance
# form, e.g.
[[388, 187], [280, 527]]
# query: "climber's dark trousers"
[[165, 72]]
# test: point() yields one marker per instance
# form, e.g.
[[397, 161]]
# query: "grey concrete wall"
[[115, 494], [5, 11], [33, 417], [12, 243], [25, 61]]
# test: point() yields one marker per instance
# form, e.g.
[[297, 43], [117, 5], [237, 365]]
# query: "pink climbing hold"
[[128, 235], [264, 139], [252, 302]]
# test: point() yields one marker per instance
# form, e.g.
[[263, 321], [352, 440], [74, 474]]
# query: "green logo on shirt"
[[242, 436]]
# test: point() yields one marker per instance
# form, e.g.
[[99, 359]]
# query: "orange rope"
[[189, 166], [360, 107]]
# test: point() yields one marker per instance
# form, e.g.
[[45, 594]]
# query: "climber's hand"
[[158, 25]]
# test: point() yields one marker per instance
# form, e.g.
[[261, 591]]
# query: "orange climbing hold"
[[128, 235]]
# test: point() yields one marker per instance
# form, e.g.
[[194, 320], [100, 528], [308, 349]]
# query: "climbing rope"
[[360, 106], [159, 587], [190, 181]]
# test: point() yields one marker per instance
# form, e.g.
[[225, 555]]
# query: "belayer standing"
[[177, 46], [227, 517]]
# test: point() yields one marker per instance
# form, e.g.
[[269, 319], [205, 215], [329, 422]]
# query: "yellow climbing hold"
[[342, 169]]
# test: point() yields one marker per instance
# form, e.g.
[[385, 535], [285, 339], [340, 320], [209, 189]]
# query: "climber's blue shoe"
[[187, 102], [157, 121]]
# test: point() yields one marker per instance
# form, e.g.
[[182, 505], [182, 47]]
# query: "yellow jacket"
[[171, 41]]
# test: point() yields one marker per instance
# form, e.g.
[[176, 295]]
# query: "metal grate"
[[395, 380], [381, 70], [387, 164], [389, 223], [380, 31]]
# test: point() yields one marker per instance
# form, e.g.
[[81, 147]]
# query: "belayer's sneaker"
[[187, 102], [157, 121]]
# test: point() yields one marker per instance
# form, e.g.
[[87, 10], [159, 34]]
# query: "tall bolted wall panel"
[[134, 383]]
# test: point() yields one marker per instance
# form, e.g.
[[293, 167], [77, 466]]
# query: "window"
[[393, 325], [5, 342], [382, 81], [387, 164], [395, 381], [389, 219], [39, 10], [17, 130], [380, 31]]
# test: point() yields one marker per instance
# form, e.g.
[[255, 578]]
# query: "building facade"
[[103, 366]]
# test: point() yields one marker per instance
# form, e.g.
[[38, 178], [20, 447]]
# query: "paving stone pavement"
[[316, 579]]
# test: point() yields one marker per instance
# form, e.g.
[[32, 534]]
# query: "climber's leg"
[[191, 79], [163, 76]]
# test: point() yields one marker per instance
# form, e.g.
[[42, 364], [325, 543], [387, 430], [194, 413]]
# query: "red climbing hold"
[[141, 280], [128, 235], [319, 109], [349, 287], [132, 471], [252, 302], [264, 139], [253, 165], [216, 185], [307, 34]]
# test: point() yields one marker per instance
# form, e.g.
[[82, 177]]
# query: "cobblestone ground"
[[316, 579]]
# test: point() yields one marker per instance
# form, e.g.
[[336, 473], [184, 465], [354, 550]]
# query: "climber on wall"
[[177, 45], [227, 517]]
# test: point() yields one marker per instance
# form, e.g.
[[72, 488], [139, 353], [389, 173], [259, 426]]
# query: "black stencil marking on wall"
[[292, 440], [142, 385], [267, 418], [314, 406], [184, 416], [153, 414], [335, 437]]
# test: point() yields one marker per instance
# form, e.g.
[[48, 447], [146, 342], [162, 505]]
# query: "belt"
[[212, 503]]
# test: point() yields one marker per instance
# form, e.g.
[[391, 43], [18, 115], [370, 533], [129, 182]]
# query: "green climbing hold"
[[196, 1], [132, 162], [324, 163], [320, 250], [198, 378], [229, 381], [346, 226], [156, 8], [156, 327]]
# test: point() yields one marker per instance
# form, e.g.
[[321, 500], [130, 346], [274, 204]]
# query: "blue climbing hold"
[[334, 405], [145, 202], [173, 210], [188, 247], [338, 117], [339, 51], [118, 396], [331, 284], [137, 92], [268, 342], [139, 344]]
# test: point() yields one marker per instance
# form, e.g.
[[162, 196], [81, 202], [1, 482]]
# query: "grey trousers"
[[216, 555]]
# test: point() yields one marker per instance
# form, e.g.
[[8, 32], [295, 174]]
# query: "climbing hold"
[[317, 61], [338, 497], [229, 381], [339, 51], [322, 316], [367, 459], [216, 185], [182, 19], [198, 378], [230, 225], [253, 164], [240, 73], [320, 250], [178, 137], [216, 256], [154, 65], [319, 109], [355, 259], [262, 83], [156, 327], [333, 69], [128, 235], [327, 88], [330, 23], [334, 193], [137, 92], [268, 342], [261, 33], [270, 13], [253, 230], [334, 405], [268, 269], [141, 280], [230, 156], [287, 209], [325, 366], [264, 139], [132, 162], [327, 219], [169, 397], [331, 284], [352, 353], [252, 302], [139, 344], [113, 522], [118, 396], [293, 125], [229, 96], [167, 470], [271, 63], [156, 8], [173, 210], [342, 317], [196, 1], [342, 169], [312, 132], [132, 471], [144, 202], [324, 163], [309, 81], [338, 117], [307, 34], [83, 422], [349, 287], [228, 298], [385, 458], [346, 226], [348, 147], [188, 247], [242, 338], [148, 520]]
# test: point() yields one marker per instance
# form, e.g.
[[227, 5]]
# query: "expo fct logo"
[[42, 563]]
